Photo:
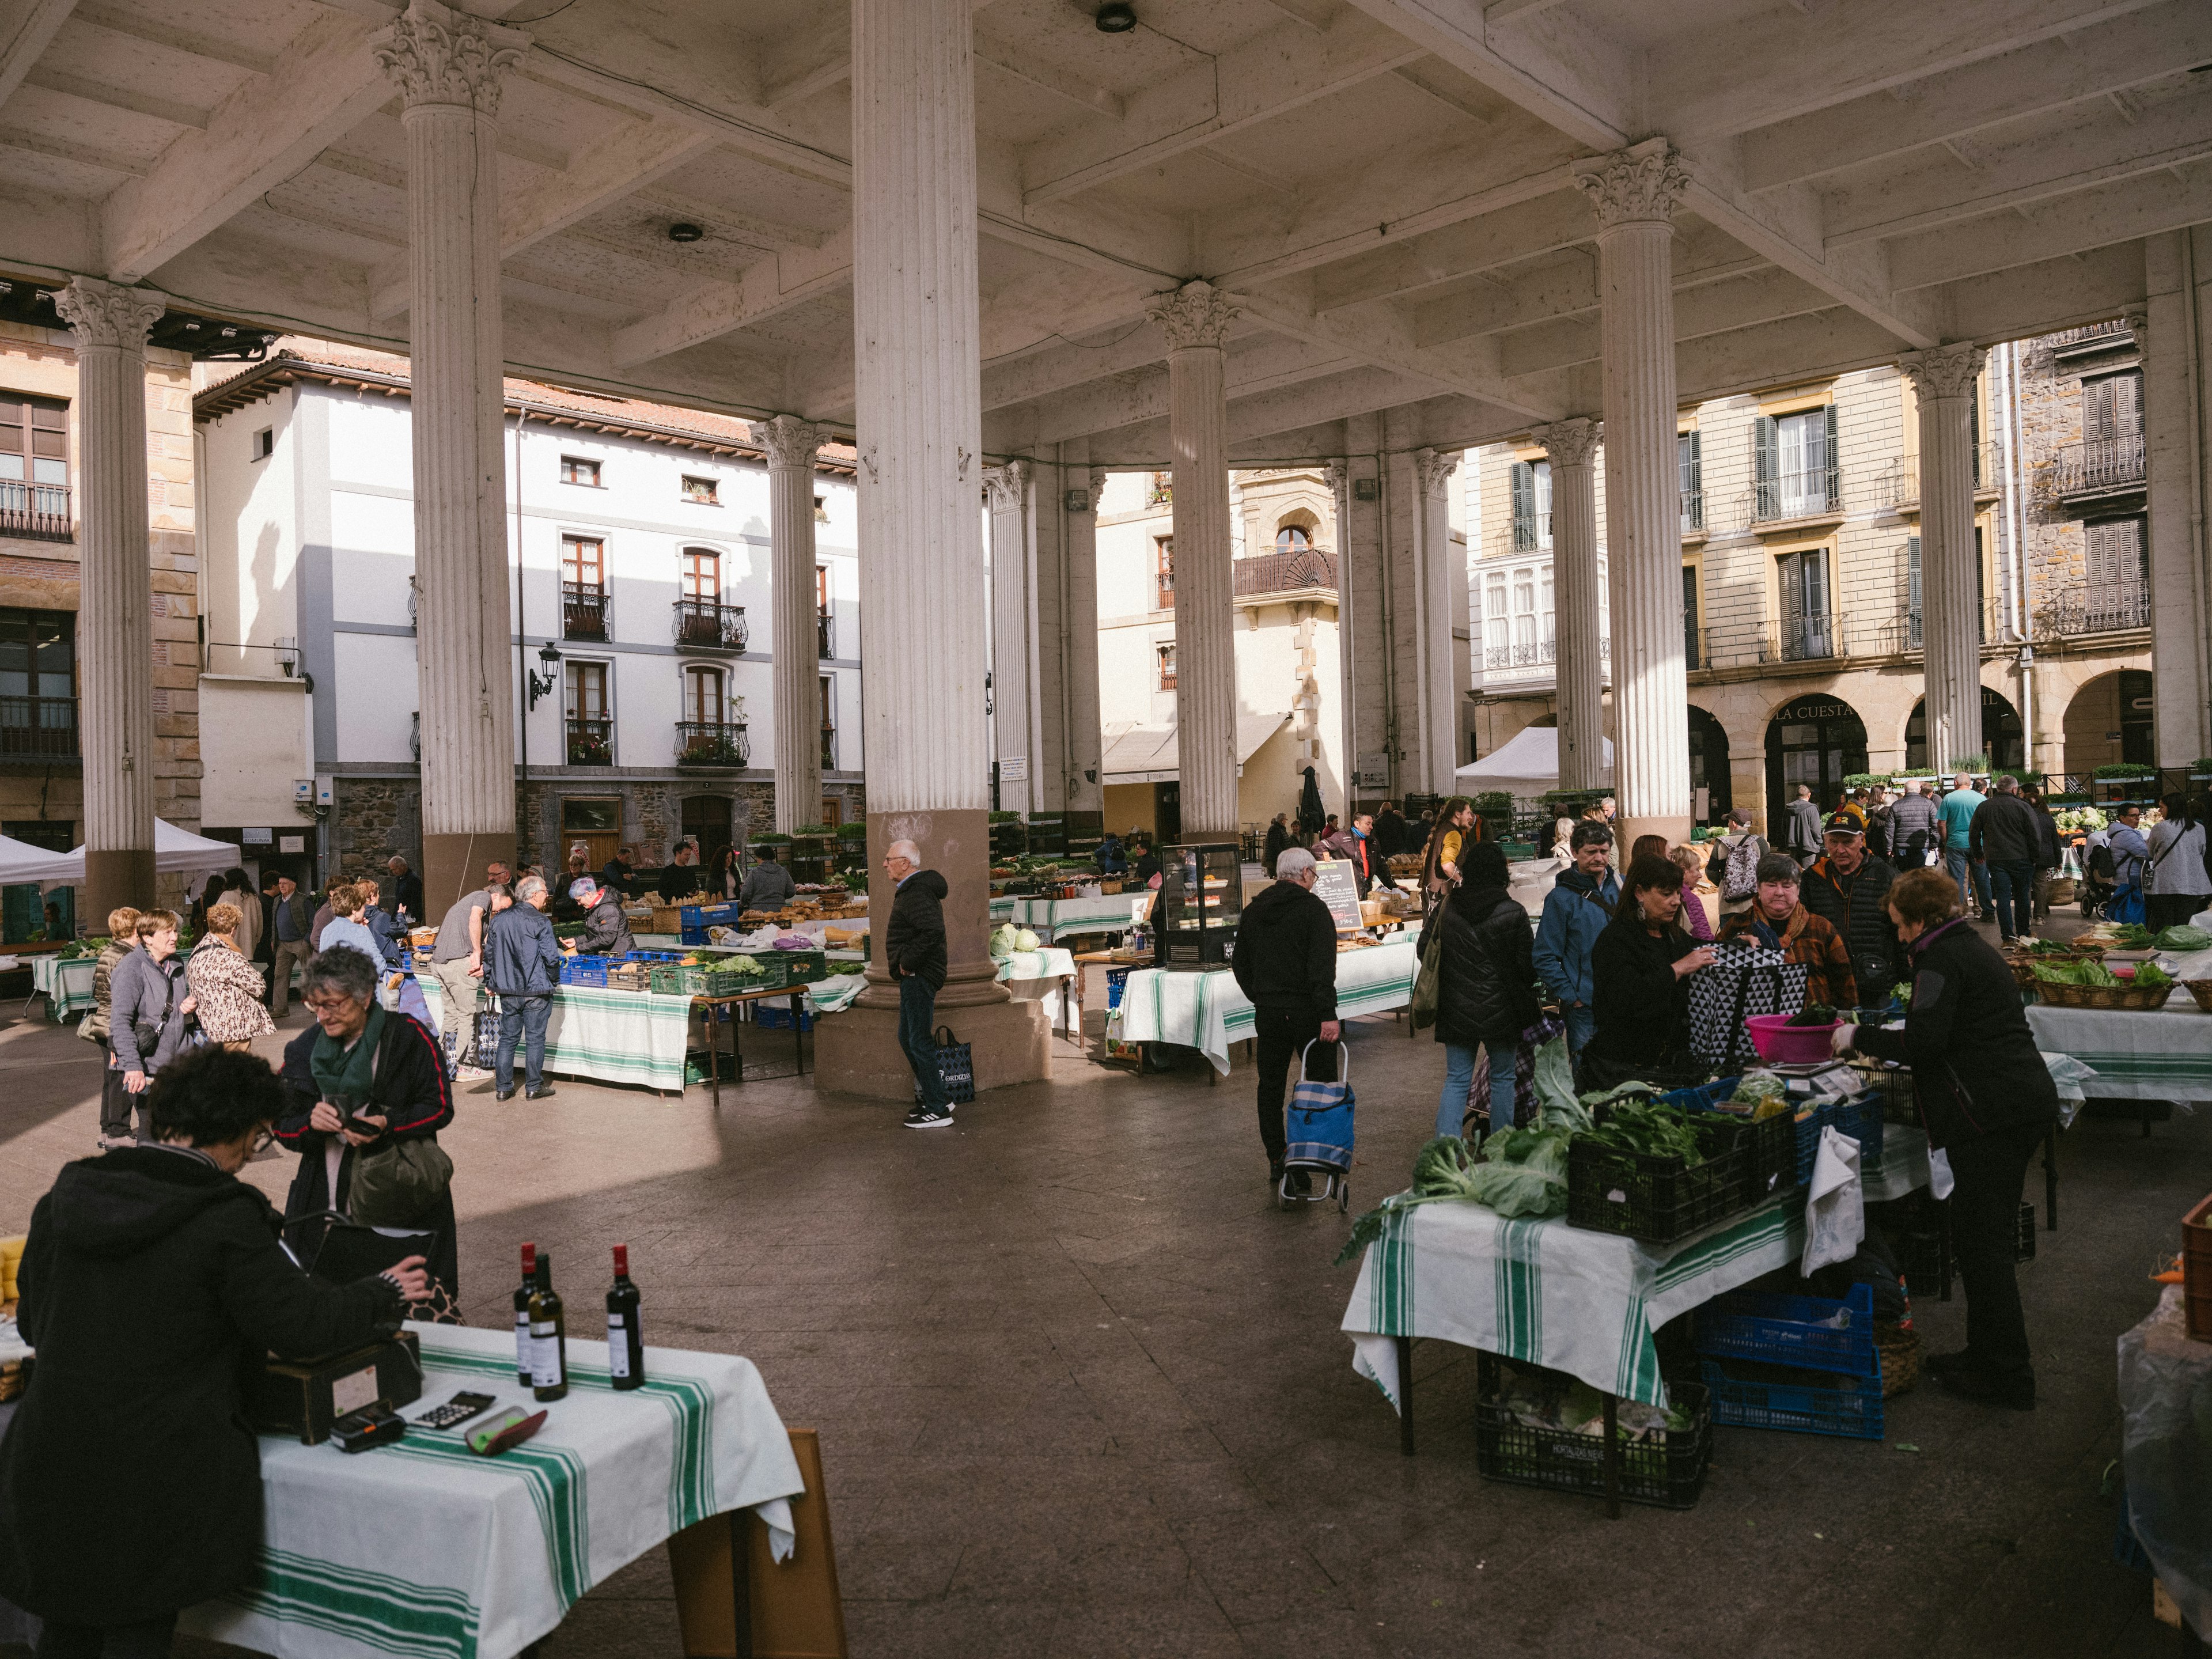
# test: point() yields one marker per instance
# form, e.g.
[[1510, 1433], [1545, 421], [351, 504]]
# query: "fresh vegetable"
[[2151, 975], [1025, 940], [2077, 972], [1902, 992], [2132, 936], [1650, 1128], [2183, 937], [1554, 1084], [1518, 1172]]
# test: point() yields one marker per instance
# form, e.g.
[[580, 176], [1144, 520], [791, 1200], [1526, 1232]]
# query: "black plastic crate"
[[1666, 1470], [1658, 1200], [2024, 1235]]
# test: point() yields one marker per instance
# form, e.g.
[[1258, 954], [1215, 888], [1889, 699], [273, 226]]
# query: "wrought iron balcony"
[[1520, 656], [1793, 638], [38, 728], [584, 611], [2070, 612], [2102, 466], [35, 512], [1809, 494], [1693, 511], [825, 634], [1905, 632], [591, 742], [1532, 531], [704, 625], [713, 744], [829, 748], [1298, 570]]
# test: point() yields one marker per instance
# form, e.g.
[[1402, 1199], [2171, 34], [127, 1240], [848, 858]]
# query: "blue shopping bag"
[[1319, 1123]]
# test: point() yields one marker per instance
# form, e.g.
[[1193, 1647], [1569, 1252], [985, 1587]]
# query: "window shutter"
[[1832, 462], [1766, 445], [1524, 507], [1974, 435], [2127, 404], [1793, 594], [1690, 462]]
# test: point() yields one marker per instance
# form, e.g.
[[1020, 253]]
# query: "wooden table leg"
[[710, 1563], [1611, 1457], [1405, 1396]]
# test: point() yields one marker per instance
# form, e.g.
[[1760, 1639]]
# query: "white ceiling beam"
[[1040, 72], [1566, 287], [738, 225], [193, 117], [625, 161], [760, 290], [63, 149], [1777, 65], [2027, 234], [32, 30], [1504, 11], [1770, 296], [1275, 72], [1424, 78], [1560, 218], [1932, 190], [1141, 394], [2123, 54], [324, 83], [116, 21]]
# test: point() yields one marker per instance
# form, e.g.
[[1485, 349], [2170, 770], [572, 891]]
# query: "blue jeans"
[[2013, 883], [1459, 1077], [1977, 898], [1582, 1026], [917, 1008], [523, 1018]]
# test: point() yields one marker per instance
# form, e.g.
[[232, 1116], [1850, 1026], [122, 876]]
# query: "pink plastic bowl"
[[1777, 1040]]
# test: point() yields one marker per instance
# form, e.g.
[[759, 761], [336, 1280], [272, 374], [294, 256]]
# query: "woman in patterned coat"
[[227, 986]]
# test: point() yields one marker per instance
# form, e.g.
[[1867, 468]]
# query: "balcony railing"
[[1163, 594], [1297, 571], [38, 728], [1802, 495], [591, 742], [1520, 656], [1693, 511], [35, 512], [2100, 466], [2070, 612], [825, 636], [713, 744], [1905, 633], [1532, 531], [584, 611], [829, 748], [1792, 639], [1809, 638], [704, 625]]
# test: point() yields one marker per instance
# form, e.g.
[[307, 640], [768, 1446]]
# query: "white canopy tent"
[[177, 852], [1527, 767], [21, 862]]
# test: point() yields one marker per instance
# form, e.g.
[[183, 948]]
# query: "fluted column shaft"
[[1196, 319], [1084, 748], [791, 444], [1434, 619], [1950, 576], [1017, 743], [1635, 191], [1571, 447], [449, 67], [116, 651]]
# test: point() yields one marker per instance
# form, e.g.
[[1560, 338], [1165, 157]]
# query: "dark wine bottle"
[[625, 1342], [525, 1367], [549, 1334]]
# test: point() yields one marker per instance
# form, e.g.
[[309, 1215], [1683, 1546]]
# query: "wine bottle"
[[625, 1342], [549, 1334], [525, 1367]]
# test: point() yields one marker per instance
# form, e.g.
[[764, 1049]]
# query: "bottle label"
[[617, 1347], [548, 1367], [525, 1363]]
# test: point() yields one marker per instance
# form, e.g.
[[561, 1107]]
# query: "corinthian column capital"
[[1432, 468], [1571, 443], [107, 315], [440, 56], [789, 441], [1096, 480], [1642, 184], [1195, 314], [1005, 488], [1940, 372]]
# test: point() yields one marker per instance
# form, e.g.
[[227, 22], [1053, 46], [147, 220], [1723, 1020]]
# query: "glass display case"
[[1201, 900]]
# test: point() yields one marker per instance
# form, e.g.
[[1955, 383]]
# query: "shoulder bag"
[[395, 1182], [149, 1037]]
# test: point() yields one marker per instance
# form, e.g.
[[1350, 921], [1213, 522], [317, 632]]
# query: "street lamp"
[[542, 685]]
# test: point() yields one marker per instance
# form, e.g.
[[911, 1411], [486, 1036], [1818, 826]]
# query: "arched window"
[[1292, 538], [703, 701], [701, 573]]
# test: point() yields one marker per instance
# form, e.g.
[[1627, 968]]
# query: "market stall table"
[[2137, 1055], [1052, 919], [1044, 968], [423, 1550], [610, 1036], [1208, 1010], [67, 982]]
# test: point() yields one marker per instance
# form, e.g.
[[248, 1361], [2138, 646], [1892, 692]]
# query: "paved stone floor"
[[1081, 1389]]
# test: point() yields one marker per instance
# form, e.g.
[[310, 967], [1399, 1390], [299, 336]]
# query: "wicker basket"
[[1899, 1347], [2202, 990], [2143, 998]]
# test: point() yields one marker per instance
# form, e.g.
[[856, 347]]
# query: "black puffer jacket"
[[1642, 1009], [1485, 991], [1975, 1067], [1856, 906], [913, 938], [1285, 955]]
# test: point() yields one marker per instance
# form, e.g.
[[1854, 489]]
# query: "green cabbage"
[[2183, 937]]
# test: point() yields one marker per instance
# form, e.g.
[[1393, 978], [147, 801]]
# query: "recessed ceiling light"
[[1115, 17], [684, 233]]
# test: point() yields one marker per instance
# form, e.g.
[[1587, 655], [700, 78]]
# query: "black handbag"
[[955, 1067], [149, 1037]]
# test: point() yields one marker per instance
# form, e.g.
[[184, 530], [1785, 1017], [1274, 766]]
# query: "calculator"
[[458, 1410]]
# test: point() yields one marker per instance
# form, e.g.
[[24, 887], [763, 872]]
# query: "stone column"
[[1434, 621], [791, 444], [1950, 576], [917, 389], [1196, 319], [2169, 335], [449, 68], [116, 646], [1015, 739], [1085, 745], [1635, 191], [1571, 447]]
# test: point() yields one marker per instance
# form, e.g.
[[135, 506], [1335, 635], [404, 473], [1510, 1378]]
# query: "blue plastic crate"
[[1852, 1409], [1702, 1098], [1859, 1117], [653, 956], [584, 970], [1810, 1331], [1117, 981], [778, 1019], [696, 919]]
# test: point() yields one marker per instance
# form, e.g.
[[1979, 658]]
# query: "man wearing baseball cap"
[[1848, 887]]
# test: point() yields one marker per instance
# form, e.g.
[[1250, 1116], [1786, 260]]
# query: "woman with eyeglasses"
[[152, 1281]]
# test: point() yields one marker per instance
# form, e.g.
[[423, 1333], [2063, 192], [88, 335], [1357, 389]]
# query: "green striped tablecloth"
[[1049, 919], [837, 993], [614, 1037], [1207, 1011], [2137, 1055], [1580, 1302], [423, 1550], [68, 984]]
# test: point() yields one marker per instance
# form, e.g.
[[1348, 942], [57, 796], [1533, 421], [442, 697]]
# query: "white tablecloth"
[[1054, 919], [1207, 1011], [2137, 1055], [67, 984], [614, 1036], [423, 1549]]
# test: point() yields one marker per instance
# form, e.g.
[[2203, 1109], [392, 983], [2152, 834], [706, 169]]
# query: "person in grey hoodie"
[[148, 998], [1913, 832]]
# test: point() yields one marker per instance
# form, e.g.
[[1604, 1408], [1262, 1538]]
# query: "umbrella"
[[1310, 816]]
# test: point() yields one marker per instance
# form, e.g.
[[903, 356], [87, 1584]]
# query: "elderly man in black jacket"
[[522, 967], [914, 955], [1848, 887], [2004, 834], [606, 930], [1286, 962]]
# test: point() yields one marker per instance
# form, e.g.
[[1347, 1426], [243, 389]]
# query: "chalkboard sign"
[[1336, 884]]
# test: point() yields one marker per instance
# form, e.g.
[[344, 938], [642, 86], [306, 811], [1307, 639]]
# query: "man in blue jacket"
[[522, 968], [1576, 910]]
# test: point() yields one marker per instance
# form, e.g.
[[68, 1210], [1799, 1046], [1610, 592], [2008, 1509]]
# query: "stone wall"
[[372, 818]]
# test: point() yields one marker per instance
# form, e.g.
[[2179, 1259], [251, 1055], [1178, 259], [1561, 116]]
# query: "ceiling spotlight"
[[684, 233], [1115, 17]]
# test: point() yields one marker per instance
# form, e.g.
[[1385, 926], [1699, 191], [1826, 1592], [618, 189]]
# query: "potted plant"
[[2124, 780], [2200, 771]]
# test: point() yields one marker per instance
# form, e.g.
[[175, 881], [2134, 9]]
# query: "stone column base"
[[113, 880], [1626, 830], [454, 864], [857, 1052]]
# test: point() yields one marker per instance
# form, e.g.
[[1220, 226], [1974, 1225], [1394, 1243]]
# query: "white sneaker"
[[470, 1074]]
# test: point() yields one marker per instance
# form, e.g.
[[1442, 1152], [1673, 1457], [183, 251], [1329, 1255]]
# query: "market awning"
[[1138, 753], [177, 851], [19, 862]]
